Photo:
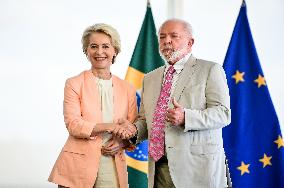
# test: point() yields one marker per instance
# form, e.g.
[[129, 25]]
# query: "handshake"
[[123, 129]]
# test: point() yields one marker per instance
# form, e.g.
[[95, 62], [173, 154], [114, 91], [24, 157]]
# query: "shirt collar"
[[179, 65]]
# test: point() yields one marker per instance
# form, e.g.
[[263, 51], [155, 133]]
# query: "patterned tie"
[[157, 135]]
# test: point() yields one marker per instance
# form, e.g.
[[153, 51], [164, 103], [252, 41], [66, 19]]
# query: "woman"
[[97, 107]]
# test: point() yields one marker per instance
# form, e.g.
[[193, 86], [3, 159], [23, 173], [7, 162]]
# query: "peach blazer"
[[78, 162]]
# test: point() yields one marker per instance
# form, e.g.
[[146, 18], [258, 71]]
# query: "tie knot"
[[171, 70]]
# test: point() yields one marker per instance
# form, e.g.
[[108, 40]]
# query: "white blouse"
[[107, 175]]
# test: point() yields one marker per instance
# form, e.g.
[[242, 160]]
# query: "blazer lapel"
[[184, 77], [93, 96], [116, 98]]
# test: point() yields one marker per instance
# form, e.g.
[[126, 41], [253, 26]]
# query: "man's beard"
[[175, 54]]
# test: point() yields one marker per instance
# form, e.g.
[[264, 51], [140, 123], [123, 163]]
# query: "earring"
[[88, 58], [113, 58]]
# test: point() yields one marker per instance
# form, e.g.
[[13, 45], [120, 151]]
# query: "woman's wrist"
[[103, 127], [109, 127]]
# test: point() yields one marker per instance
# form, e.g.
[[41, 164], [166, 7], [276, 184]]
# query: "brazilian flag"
[[145, 58]]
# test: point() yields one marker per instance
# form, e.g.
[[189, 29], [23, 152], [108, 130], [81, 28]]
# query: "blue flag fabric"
[[253, 142]]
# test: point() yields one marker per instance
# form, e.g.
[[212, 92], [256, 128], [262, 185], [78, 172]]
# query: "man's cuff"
[[129, 146]]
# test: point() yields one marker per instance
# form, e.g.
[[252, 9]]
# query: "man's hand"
[[124, 129], [176, 115], [113, 146]]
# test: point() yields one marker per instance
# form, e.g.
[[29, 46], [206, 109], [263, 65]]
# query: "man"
[[184, 106]]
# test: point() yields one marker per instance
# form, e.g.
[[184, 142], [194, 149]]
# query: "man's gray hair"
[[187, 26]]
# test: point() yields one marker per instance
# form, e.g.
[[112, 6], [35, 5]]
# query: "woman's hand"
[[124, 129], [113, 146]]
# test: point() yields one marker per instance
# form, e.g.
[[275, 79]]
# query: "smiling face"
[[100, 51], [174, 41]]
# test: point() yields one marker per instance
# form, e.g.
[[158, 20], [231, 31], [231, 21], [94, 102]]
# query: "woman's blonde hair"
[[101, 28]]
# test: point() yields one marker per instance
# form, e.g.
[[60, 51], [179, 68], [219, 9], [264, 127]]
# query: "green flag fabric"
[[145, 58]]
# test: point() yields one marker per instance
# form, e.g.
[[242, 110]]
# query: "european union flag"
[[253, 142]]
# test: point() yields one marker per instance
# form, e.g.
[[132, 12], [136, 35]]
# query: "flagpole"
[[243, 3], [175, 9]]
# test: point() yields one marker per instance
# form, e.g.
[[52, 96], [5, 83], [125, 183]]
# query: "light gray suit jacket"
[[195, 154]]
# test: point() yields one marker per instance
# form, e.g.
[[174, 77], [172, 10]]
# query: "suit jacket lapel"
[[184, 77], [157, 82]]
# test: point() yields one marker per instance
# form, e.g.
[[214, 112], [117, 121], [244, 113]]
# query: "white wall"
[[40, 47]]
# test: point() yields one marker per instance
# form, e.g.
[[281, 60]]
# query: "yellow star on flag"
[[239, 76], [265, 160], [260, 81], [244, 168], [279, 142]]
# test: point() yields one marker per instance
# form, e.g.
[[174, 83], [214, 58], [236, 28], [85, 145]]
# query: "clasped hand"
[[124, 129], [113, 146]]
